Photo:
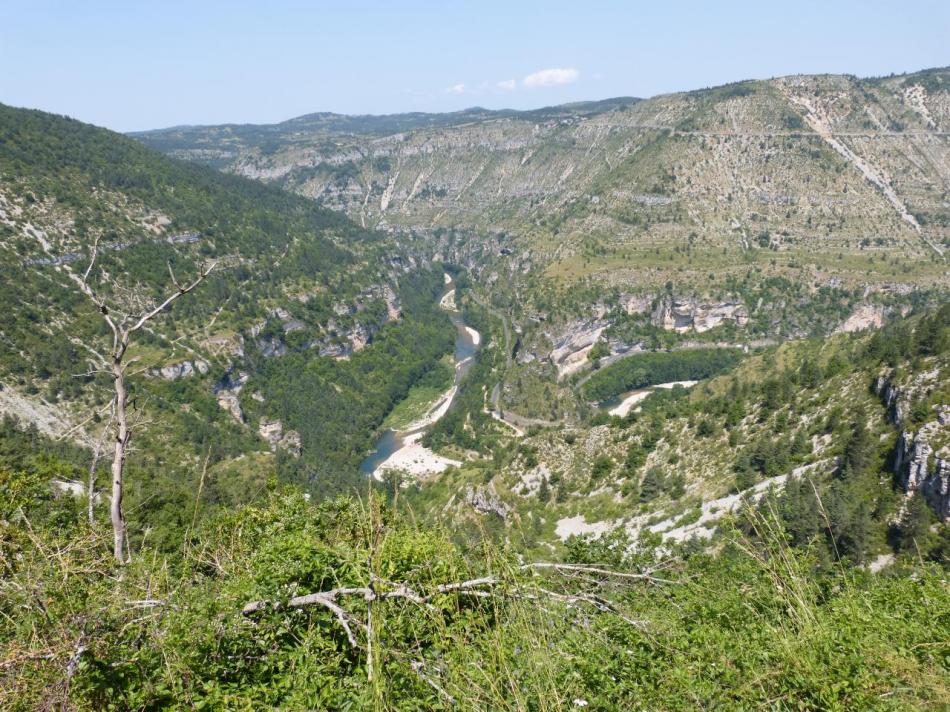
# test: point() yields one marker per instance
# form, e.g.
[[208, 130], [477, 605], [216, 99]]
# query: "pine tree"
[[544, 491], [858, 452], [914, 532]]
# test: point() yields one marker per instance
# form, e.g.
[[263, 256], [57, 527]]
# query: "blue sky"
[[135, 65]]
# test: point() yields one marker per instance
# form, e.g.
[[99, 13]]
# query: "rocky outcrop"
[[866, 316], [922, 470], [181, 370], [393, 306], [273, 432], [682, 315], [227, 392], [341, 341], [355, 339], [572, 346], [922, 458], [891, 398], [897, 398], [636, 303], [272, 347], [485, 500]]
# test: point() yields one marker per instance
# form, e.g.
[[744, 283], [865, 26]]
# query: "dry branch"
[[482, 587]]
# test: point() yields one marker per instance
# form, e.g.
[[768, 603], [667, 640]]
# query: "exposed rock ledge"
[[682, 315], [918, 464], [920, 469], [864, 317], [181, 370], [273, 432], [572, 346]]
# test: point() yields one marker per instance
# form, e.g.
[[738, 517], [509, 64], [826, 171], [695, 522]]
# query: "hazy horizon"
[[138, 68]]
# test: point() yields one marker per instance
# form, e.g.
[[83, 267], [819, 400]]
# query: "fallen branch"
[[21, 658], [481, 587], [417, 667], [587, 569], [327, 599]]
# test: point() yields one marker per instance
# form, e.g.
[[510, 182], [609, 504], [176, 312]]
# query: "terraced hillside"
[[829, 179]]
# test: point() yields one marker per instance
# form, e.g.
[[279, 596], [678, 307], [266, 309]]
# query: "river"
[[466, 345]]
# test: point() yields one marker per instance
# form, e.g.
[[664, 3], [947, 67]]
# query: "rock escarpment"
[[273, 432], [184, 369], [922, 456], [682, 315], [922, 469], [572, 346]]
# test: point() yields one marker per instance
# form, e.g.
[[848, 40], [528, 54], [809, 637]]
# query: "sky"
[[134, 65]]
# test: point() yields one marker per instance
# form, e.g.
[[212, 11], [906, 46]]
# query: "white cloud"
[[507, 85], [552, 77], [456, 89]]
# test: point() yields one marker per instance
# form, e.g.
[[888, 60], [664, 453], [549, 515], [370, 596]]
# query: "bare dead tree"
[[124, 322]]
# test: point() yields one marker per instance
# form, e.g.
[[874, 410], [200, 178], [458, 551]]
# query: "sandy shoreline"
[[672, 384], [415, 459], [623, 408]]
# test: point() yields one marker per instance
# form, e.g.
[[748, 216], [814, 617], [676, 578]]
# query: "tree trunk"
[[118, 463], [91, 489]]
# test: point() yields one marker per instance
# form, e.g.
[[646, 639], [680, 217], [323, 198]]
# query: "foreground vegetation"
[[753, 625]]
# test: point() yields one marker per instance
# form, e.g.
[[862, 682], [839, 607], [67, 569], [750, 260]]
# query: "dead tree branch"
[[482, 587]]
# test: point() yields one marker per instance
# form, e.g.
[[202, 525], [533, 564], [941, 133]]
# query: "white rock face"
[[232, 404], [182, 370], [920, 465], [393, 308], [571, 348], [575, 339], [227, 394], [486, 501], [48, 419], [864, 317], [273, 432], [684, 315], [578, 526], [636, 304], [75, 488], [923, 470]]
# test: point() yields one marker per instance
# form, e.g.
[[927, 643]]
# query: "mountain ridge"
[[567, 105], [564, 181]]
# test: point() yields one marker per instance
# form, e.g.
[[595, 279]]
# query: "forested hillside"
[[737, 215], [303, 311], [844, 441]]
